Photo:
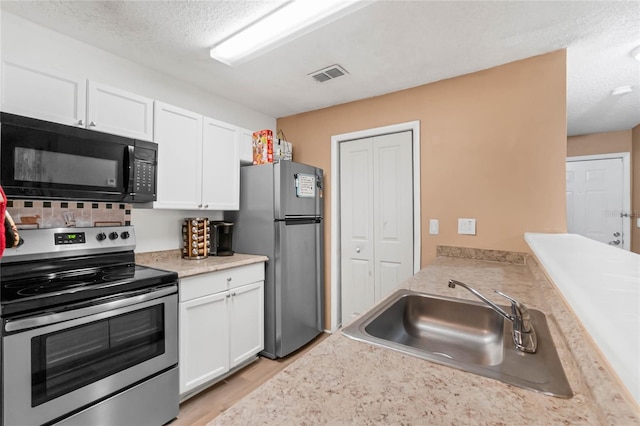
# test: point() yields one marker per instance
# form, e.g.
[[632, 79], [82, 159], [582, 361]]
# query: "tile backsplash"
[[54, 214]]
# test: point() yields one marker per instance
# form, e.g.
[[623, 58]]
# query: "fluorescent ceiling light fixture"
[[295, 18], [622, 90]]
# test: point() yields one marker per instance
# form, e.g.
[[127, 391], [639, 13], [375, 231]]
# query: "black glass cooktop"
[[41, 286]]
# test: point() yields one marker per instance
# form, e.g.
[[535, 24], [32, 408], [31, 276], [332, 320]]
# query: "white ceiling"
[[385, 46]]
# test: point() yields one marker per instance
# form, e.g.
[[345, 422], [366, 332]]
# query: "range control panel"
[[61, 242]]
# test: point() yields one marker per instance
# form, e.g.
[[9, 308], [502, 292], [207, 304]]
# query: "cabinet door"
[[246, 146], [45, 95], [204, 337], [246, 322], [178, 133], [115, 111], [220, 166]]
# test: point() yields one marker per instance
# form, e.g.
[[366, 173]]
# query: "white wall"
[[162, 229], [29, 43]]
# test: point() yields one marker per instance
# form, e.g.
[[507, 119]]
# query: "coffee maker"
[[221, 238]]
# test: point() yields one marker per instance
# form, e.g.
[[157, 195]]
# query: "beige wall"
[[599, 143], [635, 188], [493, 147], [609, 143]]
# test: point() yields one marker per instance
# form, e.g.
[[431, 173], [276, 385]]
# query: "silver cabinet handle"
[[229, 279], [616, 234], [614, 242], [357, 249], [233, 294], [199, 205], [92, 124], [80, 122], [206, 206], [136, 297]]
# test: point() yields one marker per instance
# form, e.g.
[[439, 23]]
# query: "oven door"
[[48, 160], [75, 358]]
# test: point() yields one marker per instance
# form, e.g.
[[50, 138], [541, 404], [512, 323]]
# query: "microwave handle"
[[129, 158]]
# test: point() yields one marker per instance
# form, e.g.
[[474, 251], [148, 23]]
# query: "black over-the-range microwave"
[[47, 160]]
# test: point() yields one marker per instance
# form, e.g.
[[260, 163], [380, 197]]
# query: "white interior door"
[[356, 232], [376, 217], [595, 199], [393, 211]]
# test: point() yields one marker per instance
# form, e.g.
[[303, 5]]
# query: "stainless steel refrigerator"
[[280, 217]]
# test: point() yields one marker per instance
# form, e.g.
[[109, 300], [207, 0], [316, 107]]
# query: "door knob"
[[616, 234], [614, 242]]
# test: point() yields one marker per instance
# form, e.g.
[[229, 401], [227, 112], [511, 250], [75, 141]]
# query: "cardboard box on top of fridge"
[[262, 147]]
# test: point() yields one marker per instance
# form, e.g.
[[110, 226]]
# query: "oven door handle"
[[53, 317]]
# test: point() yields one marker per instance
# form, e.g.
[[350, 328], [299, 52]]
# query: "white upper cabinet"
[[115, 111], [45, 95], [52, 96], [220, 166], [178, 133], [198, 161], [246, 146]]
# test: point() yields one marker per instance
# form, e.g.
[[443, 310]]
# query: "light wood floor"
[[204, 407]]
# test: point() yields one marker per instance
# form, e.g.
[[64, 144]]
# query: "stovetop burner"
[[44, 289], [64, 281]]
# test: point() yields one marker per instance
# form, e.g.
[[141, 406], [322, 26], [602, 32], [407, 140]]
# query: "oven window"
[[66, 360]]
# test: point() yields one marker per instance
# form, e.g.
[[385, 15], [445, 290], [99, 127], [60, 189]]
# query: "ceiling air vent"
[[328, 73]]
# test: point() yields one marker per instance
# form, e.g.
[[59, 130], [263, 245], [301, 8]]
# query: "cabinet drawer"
[[214, 282], [244, 274]]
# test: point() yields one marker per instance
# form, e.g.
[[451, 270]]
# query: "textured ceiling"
[[385, 46]]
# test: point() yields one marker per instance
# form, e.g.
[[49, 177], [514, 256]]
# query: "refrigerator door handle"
[[300, 220], [320, 276]]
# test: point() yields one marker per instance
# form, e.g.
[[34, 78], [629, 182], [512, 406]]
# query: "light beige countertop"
[[172, 260], [345, 382]]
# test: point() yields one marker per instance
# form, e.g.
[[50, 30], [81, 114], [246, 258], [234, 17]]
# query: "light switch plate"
[[434, 226], [467, 226]]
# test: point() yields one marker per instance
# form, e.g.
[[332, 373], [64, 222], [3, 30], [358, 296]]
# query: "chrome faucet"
[[524, 335]]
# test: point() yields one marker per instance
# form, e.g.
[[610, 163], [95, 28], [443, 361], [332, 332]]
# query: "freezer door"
[[298, 190], [299, 284]]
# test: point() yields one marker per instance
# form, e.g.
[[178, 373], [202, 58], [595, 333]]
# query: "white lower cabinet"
[[221, 323]]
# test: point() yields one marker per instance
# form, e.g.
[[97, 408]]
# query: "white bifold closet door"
[[376, 219]]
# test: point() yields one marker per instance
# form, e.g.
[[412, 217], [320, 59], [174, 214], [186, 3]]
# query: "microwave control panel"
[[145, 173], [145, 177]]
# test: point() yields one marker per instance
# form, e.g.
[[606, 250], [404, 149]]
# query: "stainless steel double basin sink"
[[463, 334]]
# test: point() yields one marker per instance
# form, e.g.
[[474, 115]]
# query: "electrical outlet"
[[467, 226], [434, 226]]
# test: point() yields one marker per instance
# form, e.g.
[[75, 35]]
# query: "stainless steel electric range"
[[88, 336]]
